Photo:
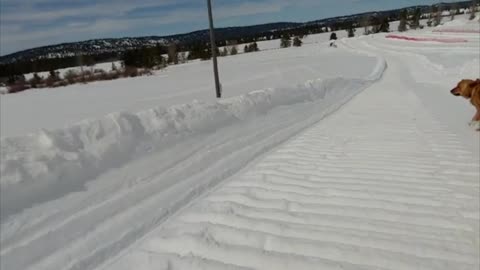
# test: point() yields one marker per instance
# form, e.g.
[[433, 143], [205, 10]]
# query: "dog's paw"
[[475, 125]]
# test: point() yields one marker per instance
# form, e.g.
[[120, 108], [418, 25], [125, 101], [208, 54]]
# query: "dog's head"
[[464, 88]]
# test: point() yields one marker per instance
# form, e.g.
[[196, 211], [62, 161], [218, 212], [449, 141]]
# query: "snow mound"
[[67, 158], [461, 25]]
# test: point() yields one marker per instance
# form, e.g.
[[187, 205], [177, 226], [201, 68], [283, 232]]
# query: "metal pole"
[[214, 51]]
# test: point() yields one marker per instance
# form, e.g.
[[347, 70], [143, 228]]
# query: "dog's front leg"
[[476, 117], [476, 121]]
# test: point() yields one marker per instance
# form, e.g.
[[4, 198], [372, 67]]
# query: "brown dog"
[[470, 89]]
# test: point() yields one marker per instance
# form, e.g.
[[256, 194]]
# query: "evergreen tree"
[[71, 75], [351, 31], [380, 24], [53, 77], [415, 18], [200, 51], [473, 9], [285, 41], [365, 23], [333, 36], [433, 11], [233, 50], [224, 52], [438, 17], [402, 27], [143, 58], [253, 47], [385, 25], [172, 54], [297, 42], [182, 57], [453, 11], [35, 80]]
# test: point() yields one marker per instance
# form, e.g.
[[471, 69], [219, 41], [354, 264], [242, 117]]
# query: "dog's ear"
[[475, 83]]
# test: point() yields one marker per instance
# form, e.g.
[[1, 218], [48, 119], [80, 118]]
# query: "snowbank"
[[461, 25], [67, 158]]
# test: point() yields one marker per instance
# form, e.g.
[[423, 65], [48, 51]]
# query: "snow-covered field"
[[241, 74], [319, 158], [61, 72]]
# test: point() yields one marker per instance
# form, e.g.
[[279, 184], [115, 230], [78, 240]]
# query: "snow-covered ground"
[[389, 180], [103, 66], [240, 74]]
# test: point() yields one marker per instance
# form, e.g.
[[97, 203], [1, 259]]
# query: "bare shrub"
[[18, 87]]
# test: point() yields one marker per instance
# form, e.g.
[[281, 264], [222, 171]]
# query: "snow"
[[445, 40], [103, 66], [178, 84], [3, 90], [319, 158], [399, 192]]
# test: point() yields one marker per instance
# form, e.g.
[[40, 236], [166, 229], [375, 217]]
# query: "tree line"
[[160, 55]]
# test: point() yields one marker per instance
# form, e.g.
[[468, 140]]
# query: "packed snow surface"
[[240, 74], [319, 158]]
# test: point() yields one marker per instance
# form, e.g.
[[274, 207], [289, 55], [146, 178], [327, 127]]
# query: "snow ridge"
[[63, 161]]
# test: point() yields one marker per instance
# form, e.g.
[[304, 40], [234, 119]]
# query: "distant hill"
[[119, 45]]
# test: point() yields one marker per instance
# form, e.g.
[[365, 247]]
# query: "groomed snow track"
[[377, 185]]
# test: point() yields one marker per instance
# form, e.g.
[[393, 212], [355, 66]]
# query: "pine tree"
[[285, 41], [71, 75], [365, 23], [402, 27], [297, 42], [453, 11], [333, 36], [384, 25], [473, 9], [35, 80], [224, 52], [253, 47], [233, 50], [351, 31], [433, 11], [438, 17], [182, 57], [200, 51], [53, 77], [172, 54], [415, 18]]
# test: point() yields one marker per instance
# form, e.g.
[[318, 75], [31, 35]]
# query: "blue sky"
[[30, 23]]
